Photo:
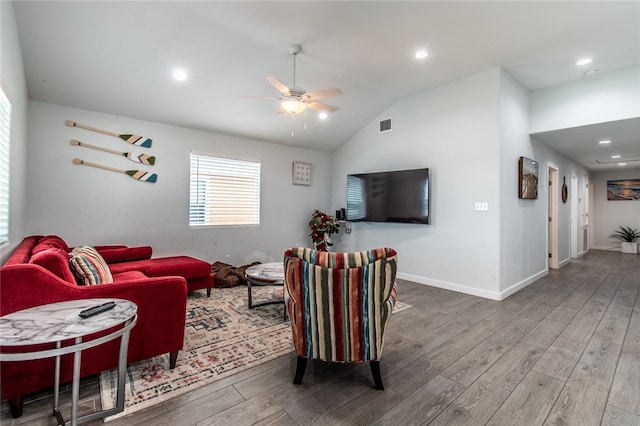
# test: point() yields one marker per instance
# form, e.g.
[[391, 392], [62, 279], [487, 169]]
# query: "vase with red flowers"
[[322, 226]]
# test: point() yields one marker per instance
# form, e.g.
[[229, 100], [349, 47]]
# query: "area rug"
[[222, 337]]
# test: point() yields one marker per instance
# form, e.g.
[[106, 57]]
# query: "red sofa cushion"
[[56, 261], [51, 241], [124, 254], [184, 266]]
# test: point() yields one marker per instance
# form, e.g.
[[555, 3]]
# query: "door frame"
[[552, 213]]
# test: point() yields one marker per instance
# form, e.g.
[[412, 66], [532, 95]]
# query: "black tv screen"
[[400, 196]]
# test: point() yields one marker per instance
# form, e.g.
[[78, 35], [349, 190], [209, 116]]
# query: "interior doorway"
[[554, 262], [575, 222]]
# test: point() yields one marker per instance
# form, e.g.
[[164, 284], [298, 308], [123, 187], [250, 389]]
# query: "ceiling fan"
[[295, 99]]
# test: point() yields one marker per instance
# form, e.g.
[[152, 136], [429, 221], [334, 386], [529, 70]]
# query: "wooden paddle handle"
[[84, 126], [100, 166], [112, 151]]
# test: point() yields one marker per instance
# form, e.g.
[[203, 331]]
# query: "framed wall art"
[[301, 173], [623, 189], [528, 178]]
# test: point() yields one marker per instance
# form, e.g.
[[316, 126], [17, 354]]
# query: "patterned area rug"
[[222, 337]]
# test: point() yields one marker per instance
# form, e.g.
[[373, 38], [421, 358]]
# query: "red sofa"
[[38, 273]]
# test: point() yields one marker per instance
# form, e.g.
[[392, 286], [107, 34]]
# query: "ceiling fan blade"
[[323, 94], [260, 97], [280, 86], [319, 106], [280, 110]]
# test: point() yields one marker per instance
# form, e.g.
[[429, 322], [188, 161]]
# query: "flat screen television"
[[399, 196]]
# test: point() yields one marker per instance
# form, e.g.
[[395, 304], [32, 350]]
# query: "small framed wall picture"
[[301, 173]]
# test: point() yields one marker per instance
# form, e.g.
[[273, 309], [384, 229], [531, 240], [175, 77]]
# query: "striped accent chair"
[[339, 305]]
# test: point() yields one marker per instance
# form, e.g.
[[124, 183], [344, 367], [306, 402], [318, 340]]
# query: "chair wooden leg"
[[173, 358], [375, 371], [302, 365]]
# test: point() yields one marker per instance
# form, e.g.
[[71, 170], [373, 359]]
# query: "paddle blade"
[[142, 175], [141, 158], [147, 159], [137, 140]]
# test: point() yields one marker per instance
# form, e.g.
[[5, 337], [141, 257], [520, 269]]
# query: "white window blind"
[[5, 129], [356, 204], [223, 191]]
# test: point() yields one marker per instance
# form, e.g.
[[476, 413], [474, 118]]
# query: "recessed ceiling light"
[[179, 74], [616, 156], [590, 72], [622, 164], [604, 142], [421, 54], [583, 61], [323, 115]]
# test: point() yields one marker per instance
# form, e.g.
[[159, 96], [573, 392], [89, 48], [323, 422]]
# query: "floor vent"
[[385, 125]]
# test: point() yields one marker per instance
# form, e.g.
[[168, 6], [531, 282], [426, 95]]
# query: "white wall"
[[598, 99], [13, 81], [608, 215], [523, 245], [453, 130], [86, 205]]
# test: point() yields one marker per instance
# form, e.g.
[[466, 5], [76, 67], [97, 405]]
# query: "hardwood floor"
[[563, 351]]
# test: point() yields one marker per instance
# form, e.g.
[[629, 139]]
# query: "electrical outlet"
[[227, 258], [482, 207]]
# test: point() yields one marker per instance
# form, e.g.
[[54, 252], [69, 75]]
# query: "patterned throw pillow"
[[89, 267]]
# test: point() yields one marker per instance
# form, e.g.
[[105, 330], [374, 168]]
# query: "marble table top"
[[60, 321], [272, 273]]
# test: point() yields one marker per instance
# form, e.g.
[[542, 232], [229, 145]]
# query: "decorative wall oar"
[[132, 139], [136, 174], [142, 158]]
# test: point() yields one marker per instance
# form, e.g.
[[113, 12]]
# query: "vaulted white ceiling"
[[118, 57]]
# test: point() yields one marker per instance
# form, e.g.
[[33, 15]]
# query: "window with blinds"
[[356, 204], [5, 128], [223, 191]]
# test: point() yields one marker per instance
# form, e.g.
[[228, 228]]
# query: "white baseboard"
[[460, 288], [564, 262], [449, 286], [607, 248], [522, 284]]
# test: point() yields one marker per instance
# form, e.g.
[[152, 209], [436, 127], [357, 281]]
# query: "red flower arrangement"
[[321, 224]]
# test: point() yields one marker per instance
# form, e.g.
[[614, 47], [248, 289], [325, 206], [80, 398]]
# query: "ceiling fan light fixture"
[[421, 54], [583, 61], [293, 106]]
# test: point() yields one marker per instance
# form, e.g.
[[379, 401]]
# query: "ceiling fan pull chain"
[[293, 118]]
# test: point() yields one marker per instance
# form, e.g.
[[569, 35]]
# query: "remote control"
[[95, 310]]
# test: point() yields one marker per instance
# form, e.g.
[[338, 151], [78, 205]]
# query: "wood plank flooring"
[[563, 351]]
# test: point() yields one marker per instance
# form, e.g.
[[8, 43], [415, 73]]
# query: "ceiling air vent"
[[385, 125]]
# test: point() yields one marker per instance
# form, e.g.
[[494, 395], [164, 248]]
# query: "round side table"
[[60, 322]]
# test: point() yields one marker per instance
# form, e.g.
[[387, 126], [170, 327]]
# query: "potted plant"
[[322, 226], [628, 237]]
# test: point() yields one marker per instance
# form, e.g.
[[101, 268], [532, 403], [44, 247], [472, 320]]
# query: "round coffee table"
[[265, 274]]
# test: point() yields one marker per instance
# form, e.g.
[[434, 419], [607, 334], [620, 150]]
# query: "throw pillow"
[[89, 267]]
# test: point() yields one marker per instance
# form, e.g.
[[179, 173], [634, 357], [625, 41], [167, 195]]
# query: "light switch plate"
[[482, 207]]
